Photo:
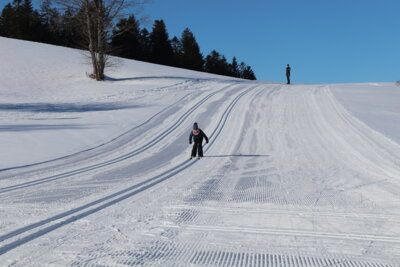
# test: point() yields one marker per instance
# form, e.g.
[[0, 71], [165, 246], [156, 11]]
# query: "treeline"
[[20, 20]]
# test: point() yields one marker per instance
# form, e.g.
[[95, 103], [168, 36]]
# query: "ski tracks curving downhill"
[[289, 178]]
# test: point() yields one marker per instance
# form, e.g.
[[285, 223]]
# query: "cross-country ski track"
[[289, 178]]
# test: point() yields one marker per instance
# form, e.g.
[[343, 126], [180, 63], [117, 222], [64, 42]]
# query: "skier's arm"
[[190, 138], [205, 136]]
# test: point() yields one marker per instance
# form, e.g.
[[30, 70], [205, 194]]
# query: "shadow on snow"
[[199, 79], [65, 107], [237, 155], [40, 127]]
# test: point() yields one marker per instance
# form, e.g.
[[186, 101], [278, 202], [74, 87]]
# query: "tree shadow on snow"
[[65, 107], [40, 127], [150, 78], [143, 78], [236, 155]]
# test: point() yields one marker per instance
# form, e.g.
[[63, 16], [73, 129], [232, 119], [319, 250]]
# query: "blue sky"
[[325, 41]]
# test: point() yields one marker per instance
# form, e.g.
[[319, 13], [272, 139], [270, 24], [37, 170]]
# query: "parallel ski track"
[[250, 186], [129, 155], [78, 213], [108, 142]]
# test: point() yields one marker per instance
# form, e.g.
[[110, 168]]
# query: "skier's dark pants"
[[288, 78], [197, 148]]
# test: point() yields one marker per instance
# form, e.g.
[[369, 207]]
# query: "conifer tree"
[[234, 68], [242, 68], [176, 46], [192, 58], [50, 20], [246, 72], [19, 20], [161, 50], [7, 21], [69, 30], [249, 74], [89, 24], [145, 41], [126, 41], [23, 18], [216, 63]]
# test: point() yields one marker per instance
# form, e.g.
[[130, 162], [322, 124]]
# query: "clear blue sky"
[[325, 41]]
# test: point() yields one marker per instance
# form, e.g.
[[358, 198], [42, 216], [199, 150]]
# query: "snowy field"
[[98, 174]]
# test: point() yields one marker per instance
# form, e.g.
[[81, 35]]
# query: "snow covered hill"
[[98, 174], [51, 109]]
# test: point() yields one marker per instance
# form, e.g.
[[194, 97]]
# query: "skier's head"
[[195, 126], [288, 65]]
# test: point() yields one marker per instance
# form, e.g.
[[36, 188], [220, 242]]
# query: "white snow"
[[377, 104], [97, 173], [51, 109]]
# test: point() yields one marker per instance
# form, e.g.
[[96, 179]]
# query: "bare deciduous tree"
[[96, 19]]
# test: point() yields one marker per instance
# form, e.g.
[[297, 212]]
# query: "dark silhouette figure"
[[288, 69], [197, 135]]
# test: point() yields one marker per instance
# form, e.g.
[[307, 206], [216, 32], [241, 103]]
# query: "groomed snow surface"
[[98, 173]]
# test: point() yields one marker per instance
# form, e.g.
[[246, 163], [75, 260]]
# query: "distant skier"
[[288, 69], [197, 135]]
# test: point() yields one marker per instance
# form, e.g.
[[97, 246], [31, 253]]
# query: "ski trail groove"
[[316, 216], [133, 153], [108, 142], [100, 204]]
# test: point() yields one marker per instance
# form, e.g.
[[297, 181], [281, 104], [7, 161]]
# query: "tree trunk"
[[96, 19], [90, 36], [100, 41]]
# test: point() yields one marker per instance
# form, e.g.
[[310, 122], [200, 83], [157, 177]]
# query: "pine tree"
[[192, 58], [88, 25], [234, 68], [51, 20], [161, 50], [145, 41], [246, 72], [216, 63], [27, 22], [249, 74], [242, 68], [7, 21], [176, 46], [69, 30], [127, 39], [23, 14]]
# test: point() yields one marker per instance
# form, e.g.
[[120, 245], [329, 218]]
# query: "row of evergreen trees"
[[129, 40]]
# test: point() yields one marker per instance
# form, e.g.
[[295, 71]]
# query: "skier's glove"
[[190, 143]]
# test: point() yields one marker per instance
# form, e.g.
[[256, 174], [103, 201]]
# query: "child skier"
[[197, 135]]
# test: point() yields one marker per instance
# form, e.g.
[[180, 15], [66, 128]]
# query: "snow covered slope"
[[377, 104], [296, 175], [51, 109]]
